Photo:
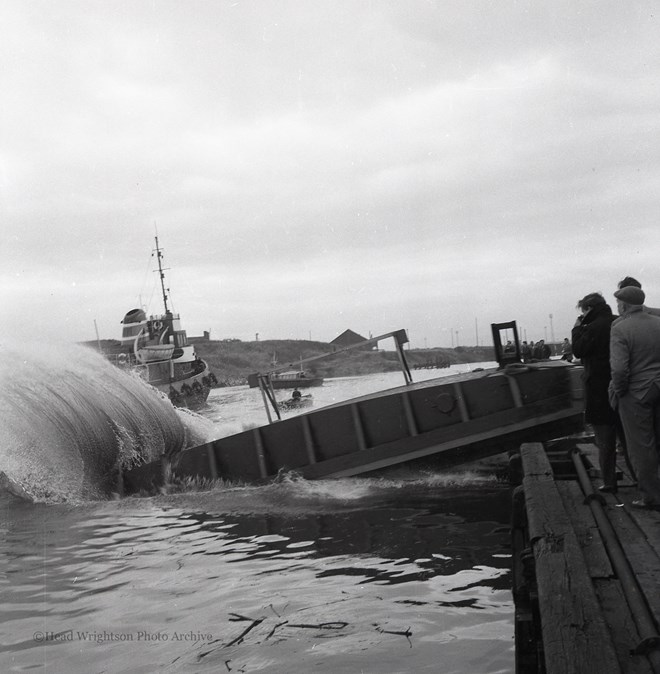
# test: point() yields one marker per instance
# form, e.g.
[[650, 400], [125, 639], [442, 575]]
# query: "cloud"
[[315, 166]]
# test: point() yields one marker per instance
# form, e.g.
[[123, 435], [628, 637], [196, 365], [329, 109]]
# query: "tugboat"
[[157, 348]]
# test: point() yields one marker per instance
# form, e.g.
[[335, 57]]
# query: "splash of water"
[[292, 494], [358, 488], [199, 430], [69, 419]]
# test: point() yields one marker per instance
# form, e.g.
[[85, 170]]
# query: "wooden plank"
[[575, 635], [586, 530], [621, 625], [649, 523], [640, 553], [535, 460]]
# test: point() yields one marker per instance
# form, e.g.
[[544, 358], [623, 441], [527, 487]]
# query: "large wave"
[[69, 419]]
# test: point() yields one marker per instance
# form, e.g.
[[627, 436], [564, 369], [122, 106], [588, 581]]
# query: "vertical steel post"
[[263, 397], [400, 338]]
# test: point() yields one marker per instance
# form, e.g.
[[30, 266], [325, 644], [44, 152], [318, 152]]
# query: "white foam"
[[67, 417]]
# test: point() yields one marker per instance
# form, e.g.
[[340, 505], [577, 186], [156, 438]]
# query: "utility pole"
[[456, 337], [476, 332], [552, 330], [451, 332]]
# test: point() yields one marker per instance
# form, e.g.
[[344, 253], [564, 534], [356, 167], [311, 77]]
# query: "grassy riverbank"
[[232, 360]]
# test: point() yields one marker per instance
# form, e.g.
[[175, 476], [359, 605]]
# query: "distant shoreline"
[[232, 360]]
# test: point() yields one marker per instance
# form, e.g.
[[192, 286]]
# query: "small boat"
[[296, 402], [157, 348], [294, 379], [288, 379]]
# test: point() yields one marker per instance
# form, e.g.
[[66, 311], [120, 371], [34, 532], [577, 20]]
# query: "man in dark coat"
[[591, 344]]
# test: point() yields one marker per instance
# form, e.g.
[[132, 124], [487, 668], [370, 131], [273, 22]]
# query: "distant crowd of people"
[[532, 351], [621, 360]]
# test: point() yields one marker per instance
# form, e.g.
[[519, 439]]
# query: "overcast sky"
[[313, 166]]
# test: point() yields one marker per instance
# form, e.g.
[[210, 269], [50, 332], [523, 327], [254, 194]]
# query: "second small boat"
[[297, 401], [288, 379]]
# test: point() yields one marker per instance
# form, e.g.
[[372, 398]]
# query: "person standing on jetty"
[[591, 344], [630, 281], [635, 387], [526, 352], [541, 351]]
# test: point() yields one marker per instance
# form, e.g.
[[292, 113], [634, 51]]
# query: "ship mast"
[[159, 256]]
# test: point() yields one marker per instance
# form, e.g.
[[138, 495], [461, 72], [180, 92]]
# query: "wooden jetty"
[[586, 567]]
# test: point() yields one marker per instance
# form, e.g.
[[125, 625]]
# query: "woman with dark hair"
[[591, 344]]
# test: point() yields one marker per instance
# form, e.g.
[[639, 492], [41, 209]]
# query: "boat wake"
[[70, 420], [293, 495]]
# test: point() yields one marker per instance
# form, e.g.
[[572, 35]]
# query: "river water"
[[407, 571]]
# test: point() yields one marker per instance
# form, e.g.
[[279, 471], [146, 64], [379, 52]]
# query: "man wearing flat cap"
[[630, 281], [635, 387]]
